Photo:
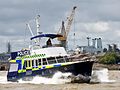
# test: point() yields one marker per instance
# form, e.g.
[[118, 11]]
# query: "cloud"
[[117, 33], [95, 18], [97, 27]]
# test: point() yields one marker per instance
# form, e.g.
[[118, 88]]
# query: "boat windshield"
[[45, 42]]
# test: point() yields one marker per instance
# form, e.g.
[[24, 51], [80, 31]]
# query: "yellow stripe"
[[12, 60], [31, 63], [33, 69], [49, 66], [63, 64], [21, 71], [24, 70], [39, 66], [23, 62], [28, 67]]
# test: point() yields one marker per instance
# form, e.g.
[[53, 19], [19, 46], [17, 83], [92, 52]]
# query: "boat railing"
[[52, 61]]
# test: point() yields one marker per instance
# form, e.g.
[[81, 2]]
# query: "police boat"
[[45, 61]]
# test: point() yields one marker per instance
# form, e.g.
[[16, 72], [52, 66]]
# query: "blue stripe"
[[57, 65], [43, 67], [19, 64]]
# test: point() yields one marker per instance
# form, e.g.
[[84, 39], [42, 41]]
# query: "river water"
[[101, 80]]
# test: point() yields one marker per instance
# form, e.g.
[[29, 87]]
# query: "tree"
[[109, 58]]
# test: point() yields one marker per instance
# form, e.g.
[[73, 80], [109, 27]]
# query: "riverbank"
[[4, 66], [109, 67]]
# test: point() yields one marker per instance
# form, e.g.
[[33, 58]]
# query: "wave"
[[101, 75], [58, 78]]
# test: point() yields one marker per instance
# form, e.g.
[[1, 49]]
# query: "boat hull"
[[80, 69]]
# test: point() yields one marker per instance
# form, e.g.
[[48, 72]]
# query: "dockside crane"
[[64, 31]]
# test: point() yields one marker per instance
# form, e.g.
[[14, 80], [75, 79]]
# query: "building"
[[113, 47], [8, 47], [95, 48]]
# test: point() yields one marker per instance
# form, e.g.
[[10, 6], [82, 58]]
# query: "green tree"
[[109, 58]]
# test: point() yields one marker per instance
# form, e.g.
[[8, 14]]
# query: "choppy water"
[[101, 80], [56, 79]]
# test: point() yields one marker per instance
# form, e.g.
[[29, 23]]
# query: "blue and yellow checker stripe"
[[21, 63], [42, 67], [34, 56]]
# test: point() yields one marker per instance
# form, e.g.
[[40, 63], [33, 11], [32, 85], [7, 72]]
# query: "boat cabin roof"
[[52, 36]]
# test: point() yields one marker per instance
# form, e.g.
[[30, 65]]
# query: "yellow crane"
[[64, 31]]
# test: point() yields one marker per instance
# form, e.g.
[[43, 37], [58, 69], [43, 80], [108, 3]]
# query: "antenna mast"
[[30, 31], [37, 19]]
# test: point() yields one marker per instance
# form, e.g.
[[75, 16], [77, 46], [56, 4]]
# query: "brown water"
[[108, 85]]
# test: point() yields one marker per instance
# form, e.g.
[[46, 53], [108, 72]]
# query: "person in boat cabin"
[[49, 43]]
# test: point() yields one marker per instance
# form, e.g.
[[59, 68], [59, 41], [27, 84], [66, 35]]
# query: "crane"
[[64, 31]]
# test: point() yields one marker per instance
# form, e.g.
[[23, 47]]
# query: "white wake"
[[58, 78], [101, 75], [3, 77]]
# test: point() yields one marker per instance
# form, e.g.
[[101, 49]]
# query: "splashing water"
[[3, 77], [101, 76], [58, 78]]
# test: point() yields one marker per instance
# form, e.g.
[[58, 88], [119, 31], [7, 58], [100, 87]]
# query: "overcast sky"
[[93, 18]]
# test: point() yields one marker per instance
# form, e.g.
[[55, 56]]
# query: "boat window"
[[32, 62], [39, 60], [28, 63], [60, 59], [51, 60], [25, 63], [36, 61], [44, 61], [66, 58], [13, 67]]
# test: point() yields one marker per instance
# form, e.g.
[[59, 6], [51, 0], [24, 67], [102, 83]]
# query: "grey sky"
[[94, 18]]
